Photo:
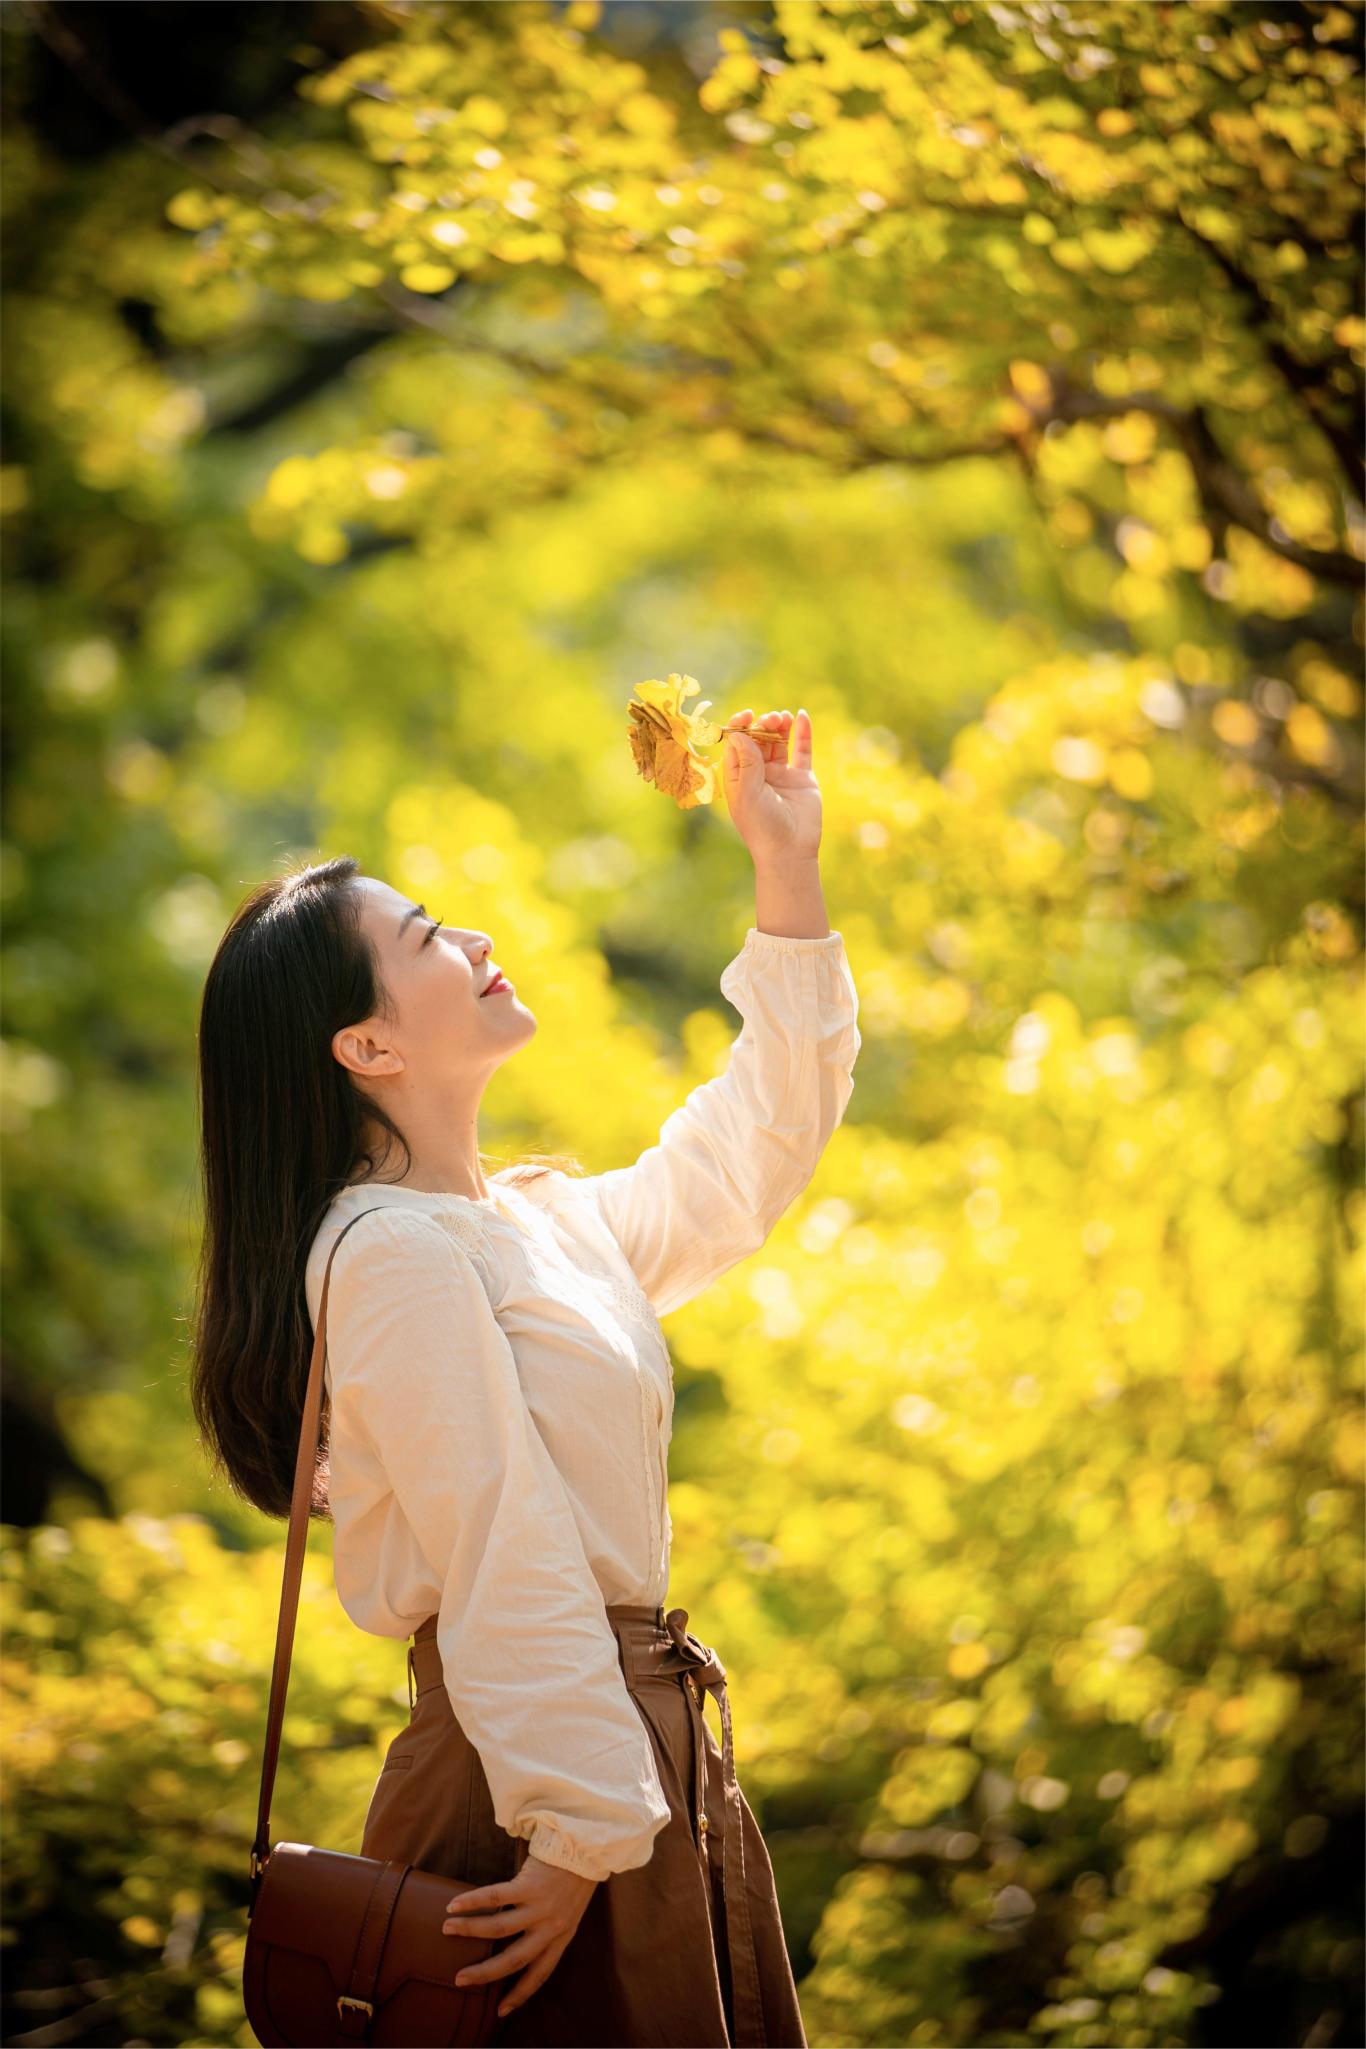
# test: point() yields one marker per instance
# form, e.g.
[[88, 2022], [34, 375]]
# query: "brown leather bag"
[[340, 1948]]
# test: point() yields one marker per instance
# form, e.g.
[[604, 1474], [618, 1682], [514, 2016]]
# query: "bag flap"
[[315, 1901]]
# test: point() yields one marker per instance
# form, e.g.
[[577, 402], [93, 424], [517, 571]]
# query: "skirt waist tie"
[[704, 1673]]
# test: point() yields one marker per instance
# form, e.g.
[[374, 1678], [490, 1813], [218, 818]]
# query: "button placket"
[[630, 1305]]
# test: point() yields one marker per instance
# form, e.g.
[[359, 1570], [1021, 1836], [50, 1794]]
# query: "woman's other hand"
[[541, 1906], [774, 802]]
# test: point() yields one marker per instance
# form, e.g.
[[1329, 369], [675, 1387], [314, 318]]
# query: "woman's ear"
[[357, 1049]]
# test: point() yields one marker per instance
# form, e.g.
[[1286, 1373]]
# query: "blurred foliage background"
[[386, 389]]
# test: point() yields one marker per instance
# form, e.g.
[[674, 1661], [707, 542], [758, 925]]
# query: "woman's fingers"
[[492, 1925], [503, 1962], [541, 1906], [537, 1954], [771, 733], [532, 1978], [479, 1898]]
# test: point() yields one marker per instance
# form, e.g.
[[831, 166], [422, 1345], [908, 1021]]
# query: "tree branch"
[[1224, 491], [1301, 378], [324, 363]]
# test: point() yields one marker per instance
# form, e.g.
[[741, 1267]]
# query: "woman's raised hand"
[[774, 802], [542, 1906]]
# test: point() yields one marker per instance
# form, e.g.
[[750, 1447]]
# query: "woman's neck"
[[432, 1180]]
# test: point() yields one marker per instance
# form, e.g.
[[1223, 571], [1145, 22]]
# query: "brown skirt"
[[686, 1951]]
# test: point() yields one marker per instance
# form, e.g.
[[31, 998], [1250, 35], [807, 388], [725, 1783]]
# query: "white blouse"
[[502, 1403]]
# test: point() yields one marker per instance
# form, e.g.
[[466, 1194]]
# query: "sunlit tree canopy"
[[388, 390]]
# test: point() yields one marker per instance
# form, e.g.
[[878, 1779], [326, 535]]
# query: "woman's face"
[[445, 1027]]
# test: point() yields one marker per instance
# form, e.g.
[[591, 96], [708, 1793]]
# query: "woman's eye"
[[432, 932]]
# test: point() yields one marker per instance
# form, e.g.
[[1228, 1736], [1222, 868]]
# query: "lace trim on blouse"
[[463, 1225]]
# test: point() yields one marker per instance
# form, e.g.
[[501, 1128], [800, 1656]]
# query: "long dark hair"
[[282, 1129]]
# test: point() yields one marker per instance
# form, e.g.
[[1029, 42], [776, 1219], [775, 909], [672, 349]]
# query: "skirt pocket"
[[431, 1805], [662, 1706]]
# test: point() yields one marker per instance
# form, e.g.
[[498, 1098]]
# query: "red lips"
[[499, 981]]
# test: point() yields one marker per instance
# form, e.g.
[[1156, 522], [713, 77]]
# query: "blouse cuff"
[[552, 1846], [757, 941]]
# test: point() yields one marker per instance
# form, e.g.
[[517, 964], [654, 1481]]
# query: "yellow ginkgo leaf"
[[665, 739]]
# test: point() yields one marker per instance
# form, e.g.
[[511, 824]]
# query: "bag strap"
[[296, 1543]]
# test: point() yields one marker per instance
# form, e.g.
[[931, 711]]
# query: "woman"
[[500, 1404]]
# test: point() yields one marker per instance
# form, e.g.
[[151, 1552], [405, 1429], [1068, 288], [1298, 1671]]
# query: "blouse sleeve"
[[742, 1147], [422, 1368]]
